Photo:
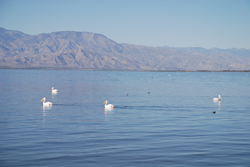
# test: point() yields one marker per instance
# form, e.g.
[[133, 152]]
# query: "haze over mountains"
[[86, 50]]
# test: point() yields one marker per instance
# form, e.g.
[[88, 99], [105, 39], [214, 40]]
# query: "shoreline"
[[101, 69]]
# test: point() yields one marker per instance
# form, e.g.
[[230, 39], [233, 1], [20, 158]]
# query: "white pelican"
[[46, 103], [217, 99], [108, 106], [54, 90]]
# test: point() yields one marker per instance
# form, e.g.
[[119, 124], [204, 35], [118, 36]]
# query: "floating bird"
[[214, 112], [108, 106], [54, 90], [46, 103], [217, 99]]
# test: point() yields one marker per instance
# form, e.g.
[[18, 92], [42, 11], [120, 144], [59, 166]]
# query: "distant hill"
[[95, 51]]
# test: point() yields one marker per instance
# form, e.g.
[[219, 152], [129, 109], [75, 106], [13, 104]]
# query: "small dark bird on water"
[[214, 112]]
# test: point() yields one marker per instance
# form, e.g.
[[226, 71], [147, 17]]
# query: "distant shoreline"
[[98, 69]]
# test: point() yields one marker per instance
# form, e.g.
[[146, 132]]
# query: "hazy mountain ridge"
[[90, 50]]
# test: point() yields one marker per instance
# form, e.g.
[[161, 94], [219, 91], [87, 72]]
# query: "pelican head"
[[43, 99], [106, 102]]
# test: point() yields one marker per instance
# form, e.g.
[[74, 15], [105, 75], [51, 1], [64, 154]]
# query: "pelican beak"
[[41, 100], [104, 103]]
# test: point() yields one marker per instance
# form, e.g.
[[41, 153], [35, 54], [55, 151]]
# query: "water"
[[159, 119]]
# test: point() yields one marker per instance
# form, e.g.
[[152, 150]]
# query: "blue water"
[[159, 119]]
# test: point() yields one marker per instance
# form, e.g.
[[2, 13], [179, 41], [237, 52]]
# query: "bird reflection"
[[106, 112], [54, 94], [46, 108], [45, 111], [219, 103]]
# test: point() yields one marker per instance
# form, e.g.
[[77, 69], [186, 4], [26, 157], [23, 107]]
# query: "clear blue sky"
[[175, 23]]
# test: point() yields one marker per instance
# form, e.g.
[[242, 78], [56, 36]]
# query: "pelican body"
[[46, 103], [217, 99], [108, 106], [54, 90]]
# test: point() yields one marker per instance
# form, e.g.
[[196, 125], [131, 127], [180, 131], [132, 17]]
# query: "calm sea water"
[[159, 119]]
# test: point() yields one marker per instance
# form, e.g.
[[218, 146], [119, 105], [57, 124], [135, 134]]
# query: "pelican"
[[108, 106], [217, 99], [54, 90], [46, 103]]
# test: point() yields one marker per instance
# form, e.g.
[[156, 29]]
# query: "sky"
[[175, 23]]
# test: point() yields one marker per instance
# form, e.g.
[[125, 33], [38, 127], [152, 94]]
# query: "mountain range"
[[85, 50]]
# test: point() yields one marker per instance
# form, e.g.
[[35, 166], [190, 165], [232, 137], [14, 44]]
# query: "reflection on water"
[[156, 121], [46, 108], [107, 111], [54, 94], [219, 104], [44, 113]]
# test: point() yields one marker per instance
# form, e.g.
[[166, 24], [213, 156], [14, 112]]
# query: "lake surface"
[[159, 119]]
